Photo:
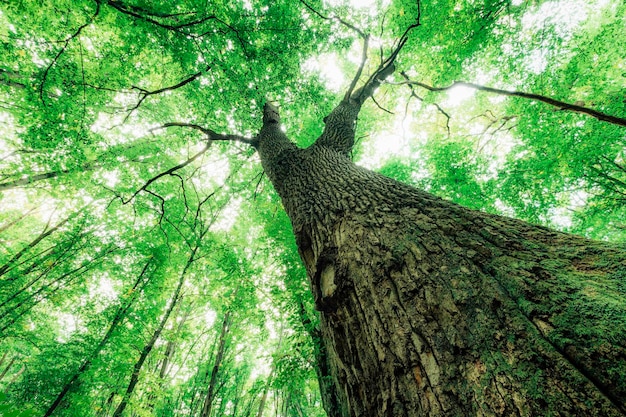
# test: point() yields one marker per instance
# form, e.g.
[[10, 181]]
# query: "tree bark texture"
[[432, 309]]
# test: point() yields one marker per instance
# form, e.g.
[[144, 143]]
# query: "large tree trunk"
[[431, 309]]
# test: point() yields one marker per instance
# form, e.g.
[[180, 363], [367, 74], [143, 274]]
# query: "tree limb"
[[148, 16], [210, 134], [341, 122], [537, 97]]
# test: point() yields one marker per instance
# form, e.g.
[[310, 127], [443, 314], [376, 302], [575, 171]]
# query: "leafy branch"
[[63, 48]]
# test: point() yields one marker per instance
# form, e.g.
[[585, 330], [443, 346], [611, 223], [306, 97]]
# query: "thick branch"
[[537, 97], [210, 134], [341, 122], [149, 16], [145, 93]]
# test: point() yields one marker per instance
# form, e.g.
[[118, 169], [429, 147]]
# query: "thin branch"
[[381, 107], [146, 15], [360, 70], [7, 78], [168, 172], [145, 93], [38, 177], [441, 110], [612, 162], [537, 97]]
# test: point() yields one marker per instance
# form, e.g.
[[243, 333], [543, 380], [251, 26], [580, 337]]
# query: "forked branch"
[[386, 67], [211, 136], [339, 131]]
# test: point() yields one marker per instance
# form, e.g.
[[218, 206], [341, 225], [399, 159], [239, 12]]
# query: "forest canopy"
[[146, 262]]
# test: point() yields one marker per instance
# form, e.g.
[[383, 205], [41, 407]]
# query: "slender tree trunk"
[[44, 234], [155, 336], [211, 390], [431, 309], [266, 390], [120, 314], [16, 311], [6, 368], [10, 223]]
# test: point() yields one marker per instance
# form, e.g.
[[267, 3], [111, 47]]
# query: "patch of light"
[[111, 178], [560, 217], [565, 16], [357, 4], [458, 94], [504, 208], [113, 128], [209, 318], [68, 325], [536, 61], [105, 289], [215, 172], [247, 5], [326, 66], [228, 216]]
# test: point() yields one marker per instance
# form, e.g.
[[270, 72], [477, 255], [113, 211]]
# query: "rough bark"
[[431, 309]]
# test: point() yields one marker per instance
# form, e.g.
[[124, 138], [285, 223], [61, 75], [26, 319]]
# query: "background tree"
[[113, 152]]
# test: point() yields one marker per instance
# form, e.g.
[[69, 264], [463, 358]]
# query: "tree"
[[432, 309], [424, 307]]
